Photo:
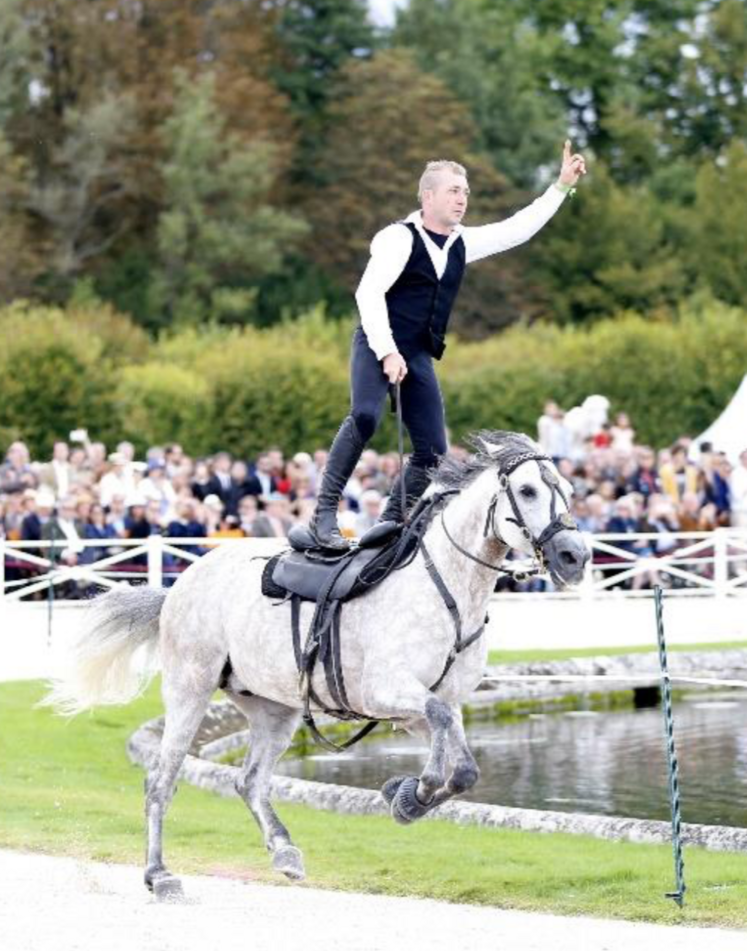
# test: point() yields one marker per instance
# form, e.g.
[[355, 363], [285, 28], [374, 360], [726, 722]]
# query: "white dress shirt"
[[391, 248]]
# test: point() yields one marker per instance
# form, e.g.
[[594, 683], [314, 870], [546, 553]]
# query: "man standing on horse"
[[405, 298]]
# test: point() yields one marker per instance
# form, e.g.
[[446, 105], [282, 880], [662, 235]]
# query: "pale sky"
[[382, 11]]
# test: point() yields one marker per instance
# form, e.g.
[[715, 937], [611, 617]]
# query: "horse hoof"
[[390, 787], [406, 807], [289, 861], [167, 888]]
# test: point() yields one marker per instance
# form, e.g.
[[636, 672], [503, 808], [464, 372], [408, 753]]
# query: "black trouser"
[[422, 404]]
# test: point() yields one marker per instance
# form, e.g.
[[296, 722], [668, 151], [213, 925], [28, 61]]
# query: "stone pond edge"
[[143, 747]]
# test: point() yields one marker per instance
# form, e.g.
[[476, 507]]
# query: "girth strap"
[[448, 600]]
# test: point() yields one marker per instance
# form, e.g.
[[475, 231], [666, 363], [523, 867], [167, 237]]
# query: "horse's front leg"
[[397, 694], [464, 769]]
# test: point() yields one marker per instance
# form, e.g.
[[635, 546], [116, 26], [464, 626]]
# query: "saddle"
[[308, 571]]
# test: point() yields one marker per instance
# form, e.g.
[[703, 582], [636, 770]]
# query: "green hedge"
[[245, 389]]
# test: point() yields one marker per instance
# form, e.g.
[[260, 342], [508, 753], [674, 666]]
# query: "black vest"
[[419, 303]]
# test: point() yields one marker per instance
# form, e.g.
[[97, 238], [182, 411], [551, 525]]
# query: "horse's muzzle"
[[566, 555]]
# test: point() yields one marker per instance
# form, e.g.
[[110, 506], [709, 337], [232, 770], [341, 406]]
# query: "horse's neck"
[[470, 583]]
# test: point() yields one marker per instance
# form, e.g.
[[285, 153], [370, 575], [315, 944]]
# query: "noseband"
[[558, 522]]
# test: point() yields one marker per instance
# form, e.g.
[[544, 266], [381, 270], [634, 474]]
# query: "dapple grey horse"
[[396, 642]]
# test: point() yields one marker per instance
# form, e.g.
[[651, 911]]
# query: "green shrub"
[[244, 389], [160, 403], [55, 375]]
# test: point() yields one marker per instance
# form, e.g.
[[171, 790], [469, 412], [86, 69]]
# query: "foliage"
[[54, 377], [243, 389], [610, 248], [718, 237], [491, 57], [316, 38], [673, 377], [21, 260], [316, 114], [218, 231]]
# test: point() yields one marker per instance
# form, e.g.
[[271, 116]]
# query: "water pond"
[[610, 762]]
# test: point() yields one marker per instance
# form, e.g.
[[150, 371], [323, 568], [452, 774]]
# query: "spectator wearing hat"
[[156, 487], [213, 514]]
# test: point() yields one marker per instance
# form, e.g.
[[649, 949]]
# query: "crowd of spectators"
[[86, 493], [621, 486]]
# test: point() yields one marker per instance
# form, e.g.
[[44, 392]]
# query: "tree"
[[79, 196], [85, 86], [217, 234], [718, 237], [614, 251], [491, 57], [22, 257], [14, 65], [316, 38]]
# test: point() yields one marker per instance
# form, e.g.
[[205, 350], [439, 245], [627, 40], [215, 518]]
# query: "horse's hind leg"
[[186, 701], [272, 729]]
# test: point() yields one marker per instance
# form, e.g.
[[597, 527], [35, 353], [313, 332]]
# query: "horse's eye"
[[528, 492]]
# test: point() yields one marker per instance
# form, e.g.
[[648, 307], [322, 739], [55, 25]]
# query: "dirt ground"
[[61, 904]]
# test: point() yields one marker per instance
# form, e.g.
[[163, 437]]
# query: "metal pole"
[[674, 784], [401, 450]]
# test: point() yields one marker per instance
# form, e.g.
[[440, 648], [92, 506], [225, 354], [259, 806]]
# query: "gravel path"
[[60, 904]]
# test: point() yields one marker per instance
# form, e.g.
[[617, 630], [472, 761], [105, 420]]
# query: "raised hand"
[[573, 165]]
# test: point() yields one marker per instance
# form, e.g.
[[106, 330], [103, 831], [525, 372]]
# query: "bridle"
[[558, 522]]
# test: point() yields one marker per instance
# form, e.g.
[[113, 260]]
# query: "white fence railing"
[[702, 563]]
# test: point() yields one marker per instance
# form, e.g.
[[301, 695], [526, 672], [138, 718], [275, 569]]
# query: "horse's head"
[[531, 511], [529, 502]]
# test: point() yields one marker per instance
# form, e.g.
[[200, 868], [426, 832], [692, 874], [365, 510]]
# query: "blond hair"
[[428, 178]]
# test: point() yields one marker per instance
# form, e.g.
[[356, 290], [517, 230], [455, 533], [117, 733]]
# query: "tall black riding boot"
[[343, 457], [417, 481]]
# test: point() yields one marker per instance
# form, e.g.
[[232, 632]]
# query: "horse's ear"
[[491, 448]]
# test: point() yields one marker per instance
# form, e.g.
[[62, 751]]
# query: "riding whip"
[[401, 450], [674, 784]]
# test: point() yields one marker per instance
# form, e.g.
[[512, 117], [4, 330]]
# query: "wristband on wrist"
[[566, 189]]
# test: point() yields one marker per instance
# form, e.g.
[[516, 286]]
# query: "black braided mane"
[[453, 473]]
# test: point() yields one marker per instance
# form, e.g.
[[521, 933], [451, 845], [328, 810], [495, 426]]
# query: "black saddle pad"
[[297, 573]]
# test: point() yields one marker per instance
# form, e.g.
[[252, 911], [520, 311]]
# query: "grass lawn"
[[66, 787], [524, 657]]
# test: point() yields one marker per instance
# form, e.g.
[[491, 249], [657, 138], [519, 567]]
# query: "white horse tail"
[[100, 666]]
